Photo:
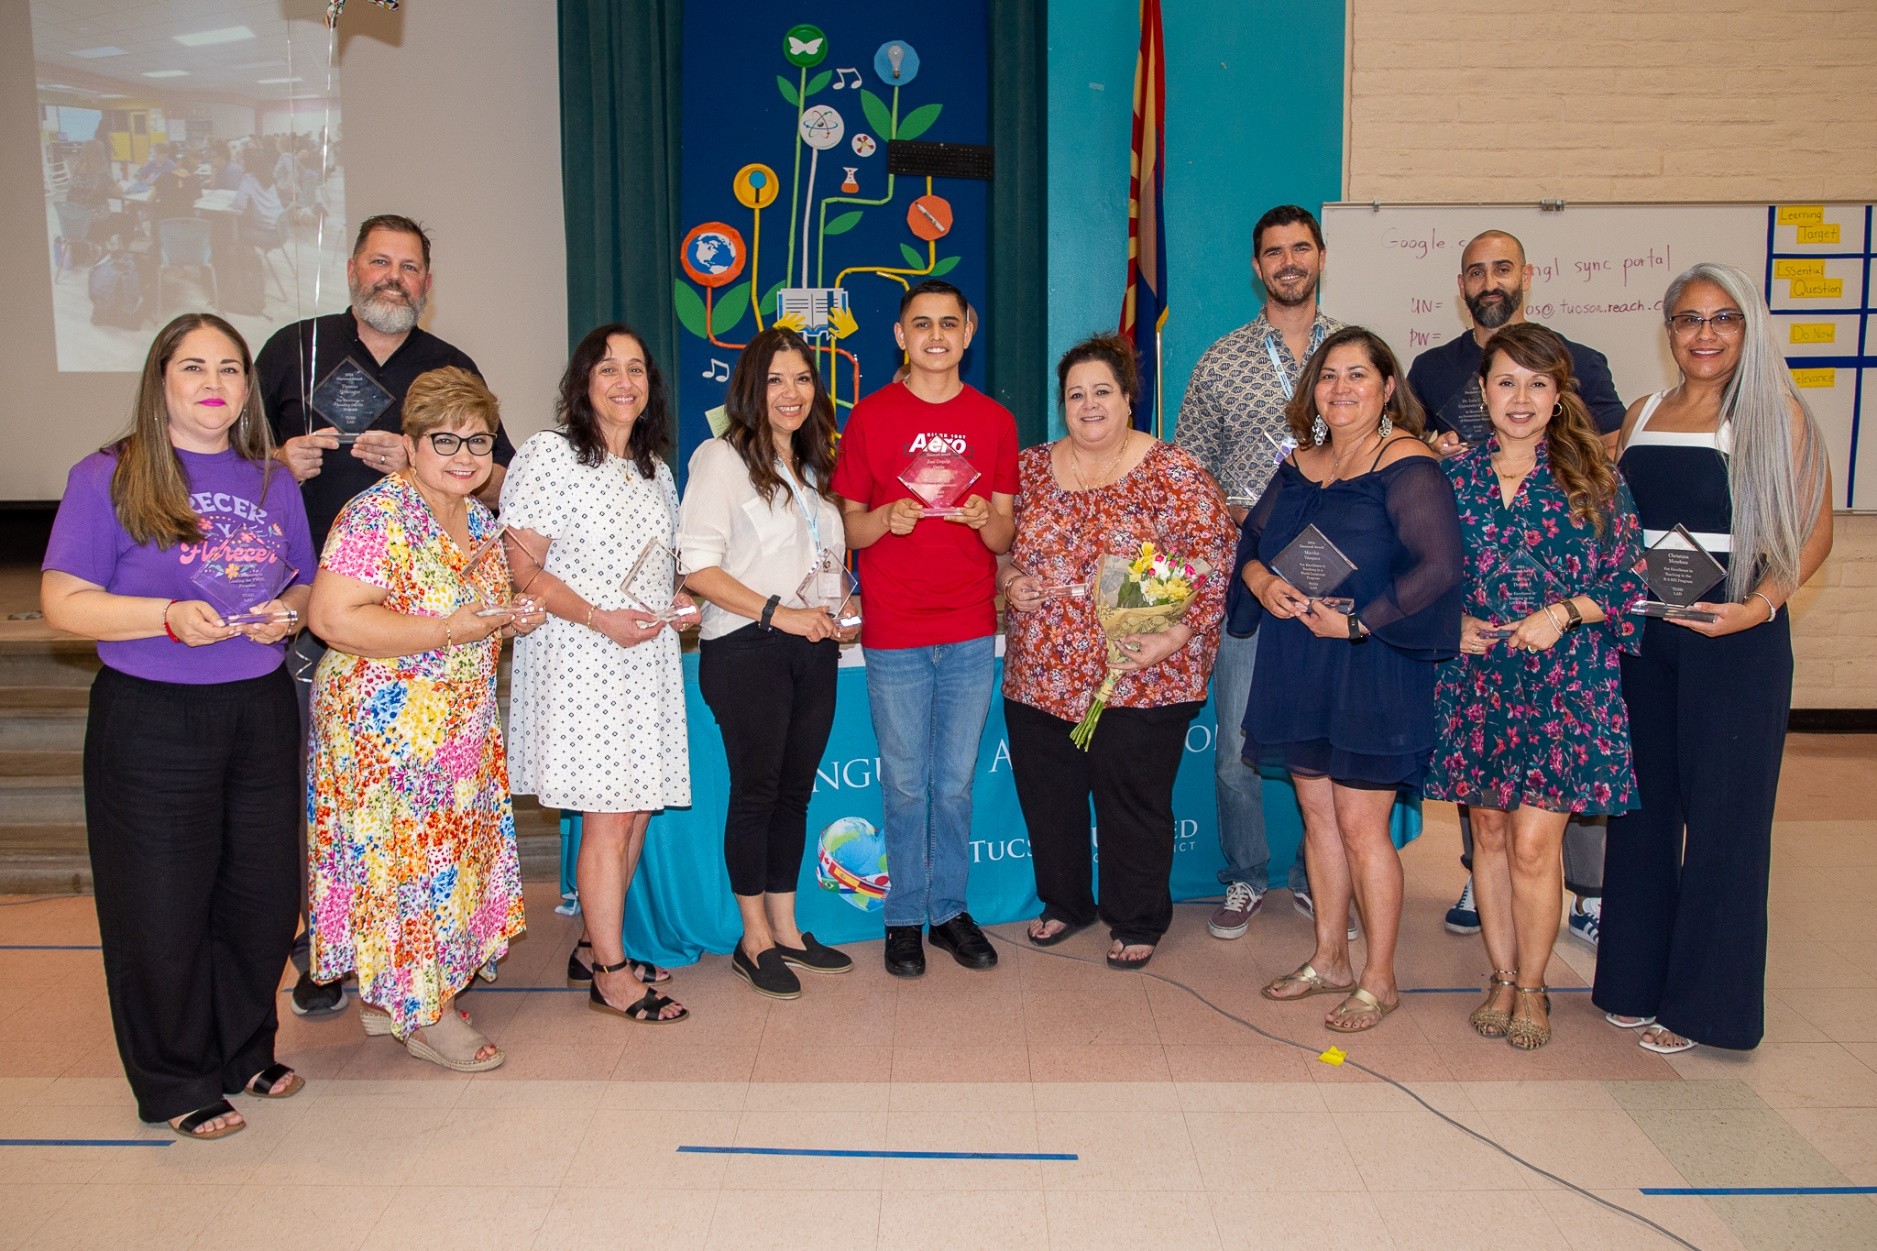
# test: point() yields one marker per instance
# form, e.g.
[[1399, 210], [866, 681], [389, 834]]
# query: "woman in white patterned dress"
[[596, 700]]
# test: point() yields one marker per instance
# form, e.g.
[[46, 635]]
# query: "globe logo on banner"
[[712, 254], [850, 861]]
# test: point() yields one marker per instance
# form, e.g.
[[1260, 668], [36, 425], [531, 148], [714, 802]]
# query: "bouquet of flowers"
[[1145, 595]]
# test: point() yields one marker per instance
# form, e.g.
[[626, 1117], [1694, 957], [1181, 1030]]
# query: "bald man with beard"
[[1494, 280]]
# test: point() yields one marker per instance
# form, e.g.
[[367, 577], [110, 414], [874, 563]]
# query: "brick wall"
[[1637, 100]]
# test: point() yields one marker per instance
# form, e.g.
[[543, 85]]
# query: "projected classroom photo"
[[185, 165]]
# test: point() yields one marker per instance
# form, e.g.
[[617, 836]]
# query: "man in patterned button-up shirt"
[[1233, 420]]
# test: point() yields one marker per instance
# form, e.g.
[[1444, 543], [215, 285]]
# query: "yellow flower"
[[1143, 563]]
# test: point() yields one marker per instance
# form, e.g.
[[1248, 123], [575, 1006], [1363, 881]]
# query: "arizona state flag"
[[1144, 307]]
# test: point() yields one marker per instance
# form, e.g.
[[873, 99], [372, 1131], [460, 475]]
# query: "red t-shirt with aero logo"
[[935, 585]]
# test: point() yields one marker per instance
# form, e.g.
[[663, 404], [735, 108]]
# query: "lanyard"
[[809, 514], [1277, 362]]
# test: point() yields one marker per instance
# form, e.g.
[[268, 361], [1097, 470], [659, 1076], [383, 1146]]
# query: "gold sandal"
[[1525, 1033], [1489, 1021], [1304, 976], [1366, 1015]]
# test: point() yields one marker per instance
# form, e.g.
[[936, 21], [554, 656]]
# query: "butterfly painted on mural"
[[803, 47], [335, 7]]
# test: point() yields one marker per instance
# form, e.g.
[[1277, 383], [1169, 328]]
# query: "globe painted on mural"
[[850, 861], [712, 254]]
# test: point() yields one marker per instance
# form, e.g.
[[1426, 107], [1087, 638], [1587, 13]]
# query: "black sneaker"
[[962, 937], [905, 951], [815, 957], [766, 973], [311, 998]]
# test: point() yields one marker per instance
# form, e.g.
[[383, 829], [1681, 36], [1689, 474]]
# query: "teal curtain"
[[1018, 316], [620, 87]]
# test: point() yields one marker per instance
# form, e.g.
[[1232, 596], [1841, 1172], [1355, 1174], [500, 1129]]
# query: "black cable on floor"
[[1670, 1234]]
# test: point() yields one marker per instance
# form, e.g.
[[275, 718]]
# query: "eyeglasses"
[[445, 444], [1726, 324]]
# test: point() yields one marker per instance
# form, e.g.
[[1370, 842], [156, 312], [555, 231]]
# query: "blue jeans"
[[929, 706], [1236, 786]]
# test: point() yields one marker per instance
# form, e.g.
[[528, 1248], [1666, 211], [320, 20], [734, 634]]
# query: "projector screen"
[[189, 159]]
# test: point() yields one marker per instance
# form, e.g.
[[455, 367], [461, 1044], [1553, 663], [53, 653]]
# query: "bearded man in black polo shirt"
[[355, 367], [348, 373]]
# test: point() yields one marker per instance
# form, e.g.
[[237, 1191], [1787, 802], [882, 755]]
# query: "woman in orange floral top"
[[1103, 490]]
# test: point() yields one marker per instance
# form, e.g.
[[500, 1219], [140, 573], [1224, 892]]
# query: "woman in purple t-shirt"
[[184, 551]]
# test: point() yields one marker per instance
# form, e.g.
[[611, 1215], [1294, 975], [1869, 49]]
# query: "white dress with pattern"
[[593, 726]]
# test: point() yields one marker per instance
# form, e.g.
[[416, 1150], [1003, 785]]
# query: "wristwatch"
[[1358, 633], [769, 611]]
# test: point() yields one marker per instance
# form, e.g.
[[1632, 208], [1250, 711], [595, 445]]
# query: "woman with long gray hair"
[[1733, 455]]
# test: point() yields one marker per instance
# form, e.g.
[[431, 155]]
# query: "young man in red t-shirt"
[[930, 623]]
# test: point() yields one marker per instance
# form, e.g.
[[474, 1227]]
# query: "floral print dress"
[[1549, 728], [1056, 655], [414, 878]]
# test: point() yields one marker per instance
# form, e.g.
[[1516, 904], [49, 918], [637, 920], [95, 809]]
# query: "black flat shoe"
[[815, 957], [962, 937], [767, 974], [905, 951]]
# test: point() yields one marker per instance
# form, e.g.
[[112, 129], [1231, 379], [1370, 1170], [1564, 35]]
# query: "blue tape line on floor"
[[85, 1142], [1679, 1191], [829, 1153]]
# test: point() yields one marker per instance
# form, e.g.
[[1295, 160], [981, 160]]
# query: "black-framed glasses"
[[1728, 323], [444, 443]]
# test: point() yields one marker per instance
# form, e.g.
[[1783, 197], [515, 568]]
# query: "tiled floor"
[[1189, 1129]]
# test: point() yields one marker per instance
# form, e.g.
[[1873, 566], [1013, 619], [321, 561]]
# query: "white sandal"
[[1667, 1049], [1641, 1022]]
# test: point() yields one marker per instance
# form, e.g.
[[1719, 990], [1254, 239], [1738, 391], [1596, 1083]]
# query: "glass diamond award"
[[1315, 566], [652, 582], [1680, 571], [1517, 587], [248, 570], [1056, 580], [830, 587], [494, 600], [939, 476], [1467, 416], [350, 399]]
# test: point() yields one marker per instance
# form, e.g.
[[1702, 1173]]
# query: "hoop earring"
[[1557, 409], [1386, 426], [1319, 431]]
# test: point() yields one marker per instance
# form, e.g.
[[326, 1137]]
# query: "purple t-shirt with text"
[[238, 522]]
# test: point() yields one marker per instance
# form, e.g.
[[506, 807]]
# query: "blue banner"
[[787, 207], [681, 907]]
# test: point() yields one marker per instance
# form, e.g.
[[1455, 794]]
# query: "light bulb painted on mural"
[[896, 62]]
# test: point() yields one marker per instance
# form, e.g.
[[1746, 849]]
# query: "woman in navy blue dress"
[[1345, 701], [1734, 455]]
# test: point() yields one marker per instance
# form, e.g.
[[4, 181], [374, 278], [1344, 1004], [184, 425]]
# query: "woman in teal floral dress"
[[1530, 718]]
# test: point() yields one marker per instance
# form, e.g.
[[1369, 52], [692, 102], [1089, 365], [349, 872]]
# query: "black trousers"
[[1684, 892], [773, 696], [1129, 771], [192, 796]]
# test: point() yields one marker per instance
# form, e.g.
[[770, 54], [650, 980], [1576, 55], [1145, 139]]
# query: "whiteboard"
[[1600, 271]]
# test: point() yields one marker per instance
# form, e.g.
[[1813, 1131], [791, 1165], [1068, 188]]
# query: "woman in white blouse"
[[758, 521]]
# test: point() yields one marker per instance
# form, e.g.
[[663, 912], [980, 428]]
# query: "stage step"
[[44, 692]]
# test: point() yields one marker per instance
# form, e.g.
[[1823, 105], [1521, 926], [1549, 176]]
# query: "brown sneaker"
[[1233, 917]]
